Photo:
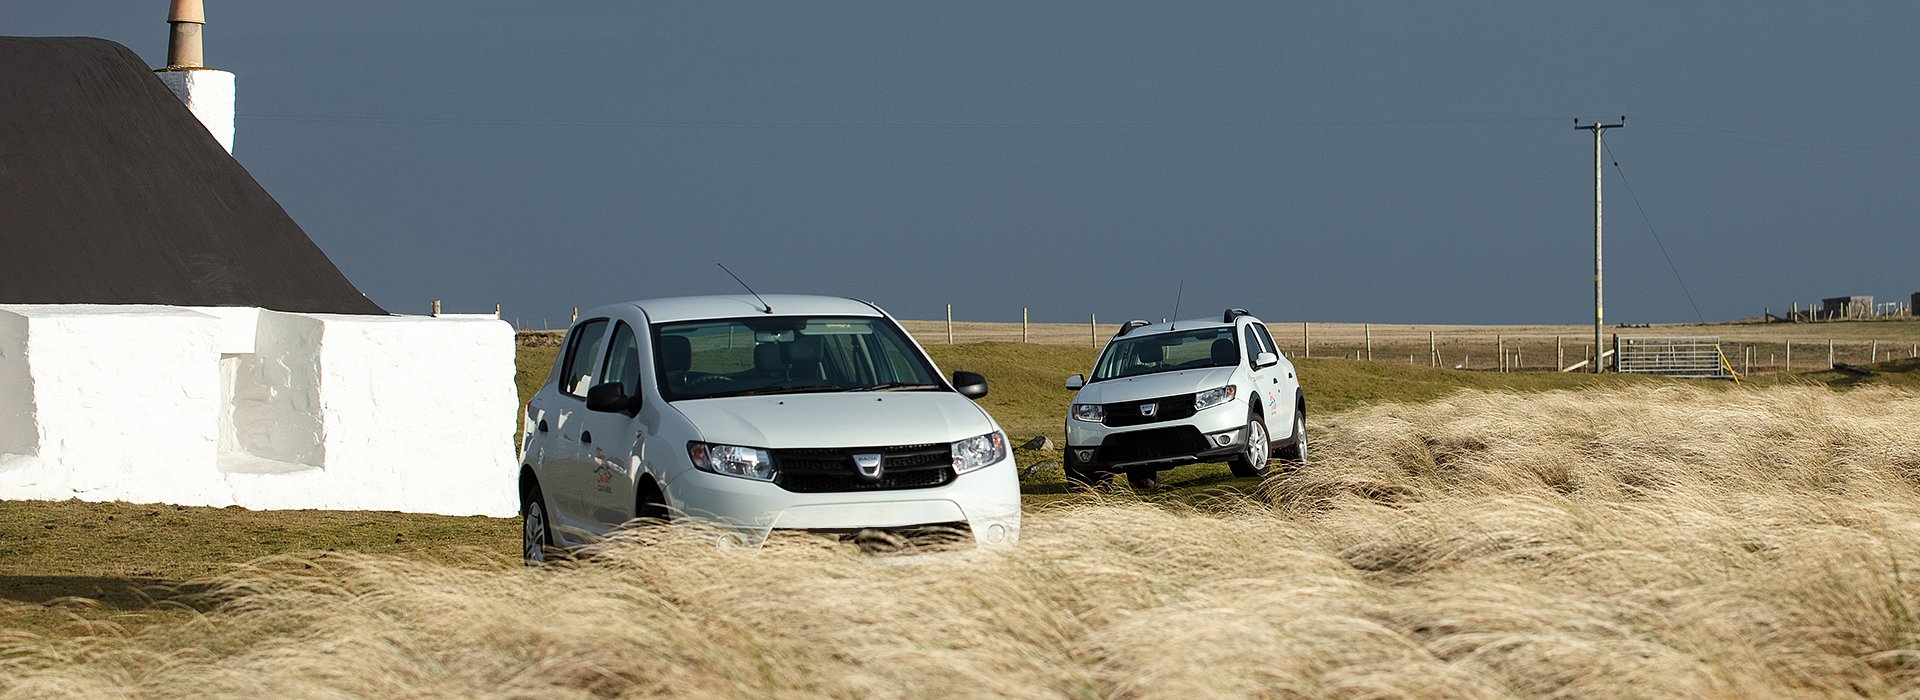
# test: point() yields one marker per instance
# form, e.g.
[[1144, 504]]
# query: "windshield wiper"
[[895, 386], [784, 390]]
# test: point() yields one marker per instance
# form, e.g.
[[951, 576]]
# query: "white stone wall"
[[257, 408], [209, 94], [19, 431]]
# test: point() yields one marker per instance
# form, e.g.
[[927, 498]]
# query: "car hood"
[[837, 420], [1148, 386]]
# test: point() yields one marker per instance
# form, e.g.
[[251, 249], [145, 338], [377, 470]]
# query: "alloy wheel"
[[1257, 444], [533, 533]]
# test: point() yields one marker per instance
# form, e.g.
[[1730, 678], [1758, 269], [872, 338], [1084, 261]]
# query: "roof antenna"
[[1176, 306], [743, 283]]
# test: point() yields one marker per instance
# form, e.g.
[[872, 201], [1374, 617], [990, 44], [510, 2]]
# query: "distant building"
[[1913, 306], [1847, 307]]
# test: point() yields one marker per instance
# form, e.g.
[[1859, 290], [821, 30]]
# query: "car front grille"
[[1165, 408], [831, 470], [1157, 443]]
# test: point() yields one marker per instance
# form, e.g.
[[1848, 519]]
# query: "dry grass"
[[1649, 541]]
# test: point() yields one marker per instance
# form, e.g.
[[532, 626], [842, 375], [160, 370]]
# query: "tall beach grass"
[[1627, 542]]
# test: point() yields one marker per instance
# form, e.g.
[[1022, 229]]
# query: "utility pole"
[[1599, 297]]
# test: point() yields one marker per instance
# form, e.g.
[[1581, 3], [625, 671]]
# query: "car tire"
[[1253, 459], [1295, 454], [651, 507], [1143, 479], [536, 530], [1078, 478]]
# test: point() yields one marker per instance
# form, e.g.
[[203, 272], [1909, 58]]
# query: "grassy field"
[[109, 582], [1639, 540]]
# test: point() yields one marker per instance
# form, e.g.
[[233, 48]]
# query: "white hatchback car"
[[1167, 394], [795, 412]]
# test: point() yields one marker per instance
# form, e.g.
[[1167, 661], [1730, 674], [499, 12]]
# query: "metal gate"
[[1695, 357]]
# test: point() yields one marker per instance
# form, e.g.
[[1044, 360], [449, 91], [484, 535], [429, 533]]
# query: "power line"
[[931, 126], [1656, 234], [1762, 139]]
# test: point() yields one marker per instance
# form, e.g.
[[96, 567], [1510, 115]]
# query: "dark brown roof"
[[111, 192]]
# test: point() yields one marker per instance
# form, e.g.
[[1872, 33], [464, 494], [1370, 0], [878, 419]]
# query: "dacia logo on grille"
[[1148, 409], [868, 464]]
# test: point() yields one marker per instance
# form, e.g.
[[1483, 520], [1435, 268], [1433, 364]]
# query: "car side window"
[[576, 375], [1254, 348], [623, 359], [1266, 338]]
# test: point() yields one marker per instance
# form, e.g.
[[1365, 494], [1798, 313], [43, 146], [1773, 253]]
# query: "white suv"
[[1167, 394], [799, 412]]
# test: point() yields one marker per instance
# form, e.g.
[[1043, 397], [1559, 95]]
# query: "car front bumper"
[[986, 499], [1213, 434]]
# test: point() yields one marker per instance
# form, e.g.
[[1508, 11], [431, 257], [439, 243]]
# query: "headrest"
[[766, 356], [1151, 352], [676, 353], [804, 349], [1224, 352]]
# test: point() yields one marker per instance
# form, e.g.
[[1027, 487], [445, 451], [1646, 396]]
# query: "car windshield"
[[787, 355], [1168, 352]]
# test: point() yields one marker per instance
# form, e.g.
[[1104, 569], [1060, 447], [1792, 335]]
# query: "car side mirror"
[[1265, 359], [970, 384], [611, 397], [1076, 381]]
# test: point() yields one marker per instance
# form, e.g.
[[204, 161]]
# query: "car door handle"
[[586, 437], [1276, 380], [543, 426]]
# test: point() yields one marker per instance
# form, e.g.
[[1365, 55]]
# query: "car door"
[[569, 471], [1262, 376], [615, 442], [1280, 388]]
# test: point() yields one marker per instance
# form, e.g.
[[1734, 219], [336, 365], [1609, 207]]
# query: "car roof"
[[1190, 324], [737, 305]]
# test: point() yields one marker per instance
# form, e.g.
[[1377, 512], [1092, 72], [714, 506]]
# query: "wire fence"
[[1477, 348]]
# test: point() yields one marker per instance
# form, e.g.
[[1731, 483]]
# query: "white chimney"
[[208, 93]]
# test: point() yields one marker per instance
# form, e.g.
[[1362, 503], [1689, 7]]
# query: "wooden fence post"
[[1369, 331], [1023, 325], [576, 313], [1559, 355], [1829, 353], [949, 324], [1093, 331], [1500, 348], [436, 308], [1873, 350], [1306, 340], [1786, 363], [1433, 351]]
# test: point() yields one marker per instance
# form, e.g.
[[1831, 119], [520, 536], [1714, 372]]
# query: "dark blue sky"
[[1344, 161]]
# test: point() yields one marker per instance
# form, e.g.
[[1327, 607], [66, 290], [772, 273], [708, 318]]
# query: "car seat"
[[676, 356], [803, 356], [1224, 353]]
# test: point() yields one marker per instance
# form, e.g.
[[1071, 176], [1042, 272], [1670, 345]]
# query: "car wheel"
[[1295, 455], [1252, 460], [536, 534], [1079, 478], [1143, 479], [651, 508]]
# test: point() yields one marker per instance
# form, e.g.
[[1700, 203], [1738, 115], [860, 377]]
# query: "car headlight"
[[1214, 397], [732, 460], [1090, 412], [976, 452]]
